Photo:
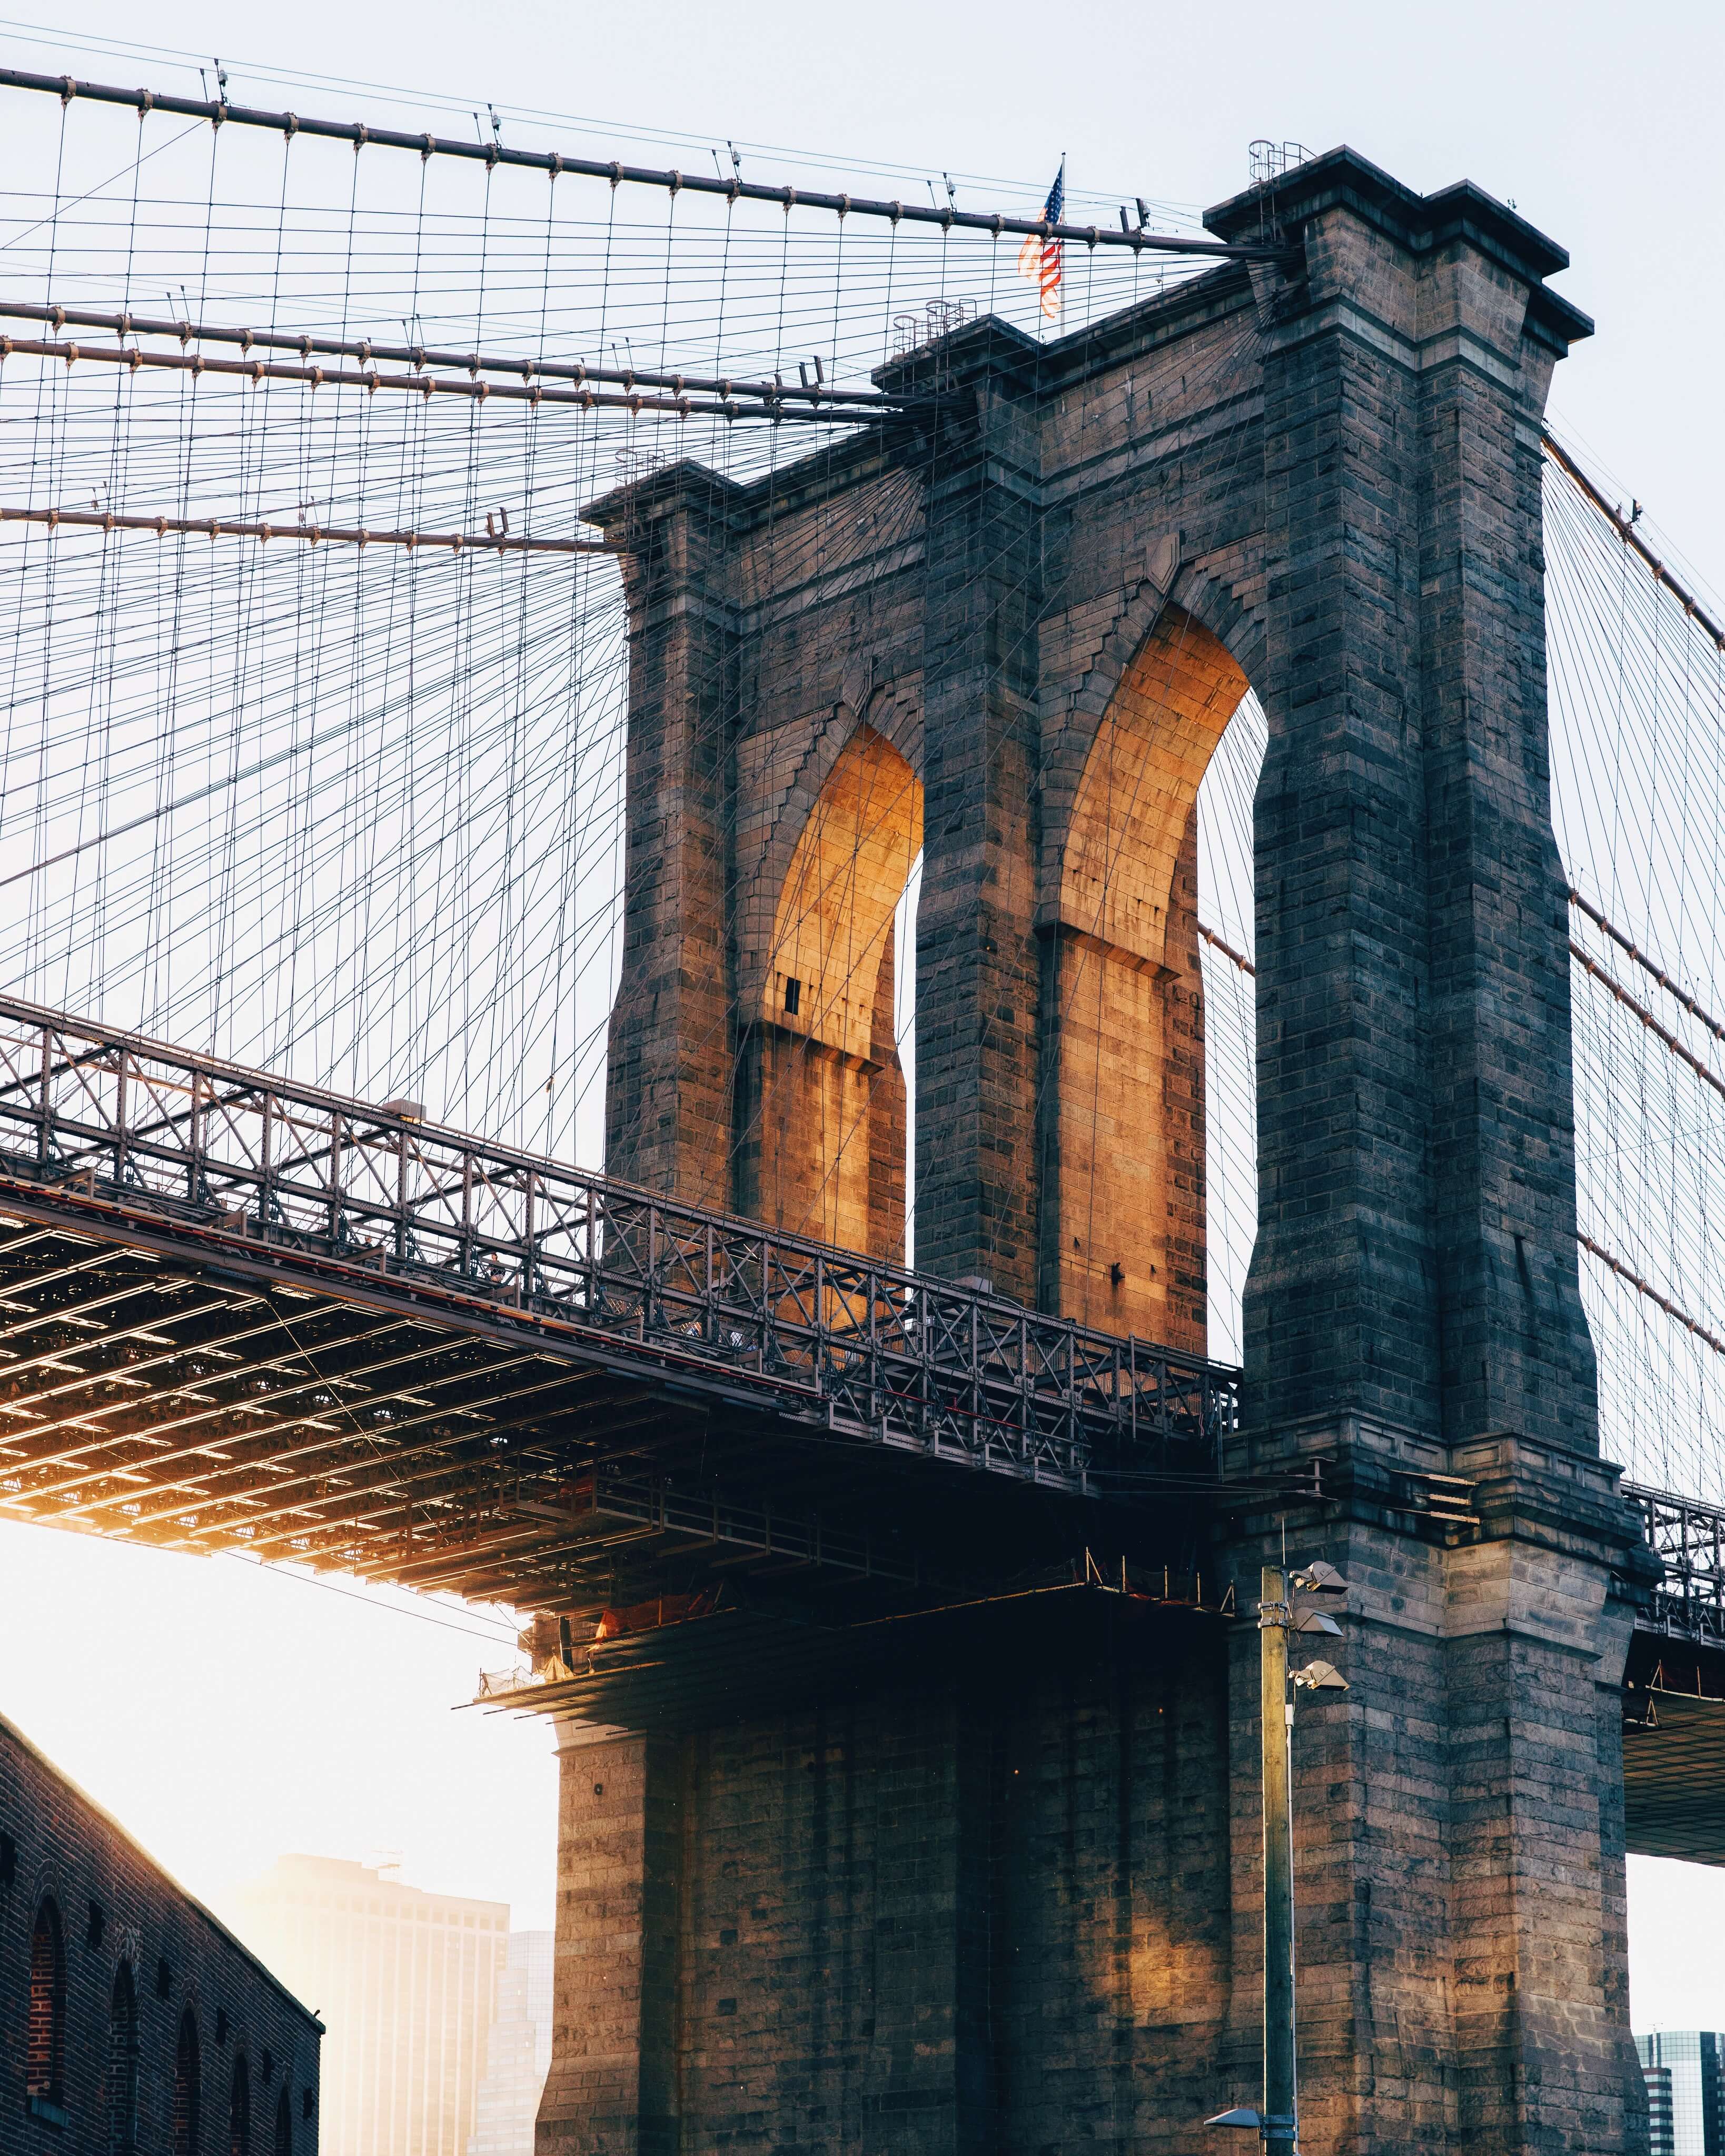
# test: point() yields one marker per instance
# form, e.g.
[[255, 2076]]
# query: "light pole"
[[1277, 2120]]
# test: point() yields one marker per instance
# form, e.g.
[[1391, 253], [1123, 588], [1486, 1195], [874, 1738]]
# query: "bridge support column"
[[668, 1115], [614, 2084], [782, 1931], [978, 985], [1413, 1311]]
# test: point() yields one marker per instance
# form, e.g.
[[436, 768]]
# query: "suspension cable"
[[359, 135]]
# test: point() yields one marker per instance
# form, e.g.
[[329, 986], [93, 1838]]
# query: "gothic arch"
[[821, 1108], [1122, 1121], [894, 712]]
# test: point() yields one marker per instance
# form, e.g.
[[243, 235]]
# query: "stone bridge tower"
[[1012, 641]]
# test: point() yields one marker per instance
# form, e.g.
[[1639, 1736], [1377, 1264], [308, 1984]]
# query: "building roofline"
[[11, 1729]]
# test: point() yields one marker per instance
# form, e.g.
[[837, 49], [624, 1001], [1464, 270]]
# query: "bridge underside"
[[1673, 1748], [204, 1398]]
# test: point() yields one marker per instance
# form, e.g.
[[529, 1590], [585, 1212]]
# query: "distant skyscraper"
[[406, 1983], [518, 2051], [1685, 2072]]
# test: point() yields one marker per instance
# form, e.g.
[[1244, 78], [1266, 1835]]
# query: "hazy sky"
[[229, 1715]]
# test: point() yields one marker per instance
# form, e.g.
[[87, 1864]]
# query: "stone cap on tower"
[[1342, 179]]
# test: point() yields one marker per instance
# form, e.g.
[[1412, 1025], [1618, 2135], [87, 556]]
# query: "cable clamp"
[[290, 125], [68, 89]]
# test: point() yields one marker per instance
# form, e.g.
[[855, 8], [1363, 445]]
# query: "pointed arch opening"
[[821, 1121], [1122, 1137], [283, 2140], [45, 2035], [240, 2110], [188, 2088], [122, 2076]]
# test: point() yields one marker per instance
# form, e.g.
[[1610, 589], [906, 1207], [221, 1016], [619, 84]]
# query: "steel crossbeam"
[[101, 1126]]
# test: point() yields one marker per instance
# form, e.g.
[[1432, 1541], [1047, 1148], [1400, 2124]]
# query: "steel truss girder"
[[109, 1131], [1688, 1538]]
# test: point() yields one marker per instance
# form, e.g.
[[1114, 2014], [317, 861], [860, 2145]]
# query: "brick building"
[[130, 2019]]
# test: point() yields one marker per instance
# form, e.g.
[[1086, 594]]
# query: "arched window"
[[123, 2064], [188, 2093], [45, 2042], [240, 2110], [284, 2127]]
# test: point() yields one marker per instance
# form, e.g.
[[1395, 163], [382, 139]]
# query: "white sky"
[[229, 1715]]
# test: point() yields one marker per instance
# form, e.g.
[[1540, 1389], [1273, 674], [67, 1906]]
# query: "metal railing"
[[122, 1125], [1688, 1538]]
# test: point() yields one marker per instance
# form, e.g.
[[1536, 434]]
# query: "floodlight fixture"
[[1314, 1620], [1319, 1676], [1277, 2127], [1318, 1578]]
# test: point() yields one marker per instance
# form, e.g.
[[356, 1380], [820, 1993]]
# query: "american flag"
[[1039, 258]]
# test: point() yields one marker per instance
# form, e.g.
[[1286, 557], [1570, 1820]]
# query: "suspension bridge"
[[663, 968]]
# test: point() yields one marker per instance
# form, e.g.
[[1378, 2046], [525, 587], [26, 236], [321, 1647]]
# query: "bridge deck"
[[238, 1311]]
